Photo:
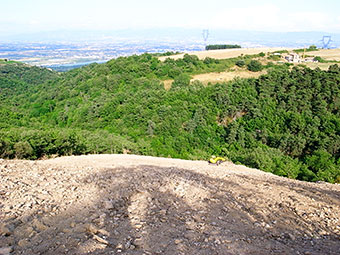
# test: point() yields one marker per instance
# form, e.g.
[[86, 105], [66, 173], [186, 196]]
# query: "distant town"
[[64, 56]]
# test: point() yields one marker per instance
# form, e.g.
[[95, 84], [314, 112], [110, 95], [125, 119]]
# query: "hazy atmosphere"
[[21, 16]]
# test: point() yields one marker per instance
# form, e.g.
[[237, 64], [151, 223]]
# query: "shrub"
[[319, 59], [274, 57], [254, 66], [23, 150], [240, 63], [209, 61], [181, 80]]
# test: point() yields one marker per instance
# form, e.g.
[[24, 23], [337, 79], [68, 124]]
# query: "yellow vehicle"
[[216, 160]]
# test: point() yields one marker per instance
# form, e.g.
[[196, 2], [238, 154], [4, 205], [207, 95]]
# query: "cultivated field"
[[331, 54], [327, 54], [229, 53], [322, 66]]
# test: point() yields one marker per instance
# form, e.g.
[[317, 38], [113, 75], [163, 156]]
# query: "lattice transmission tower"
[[205, 34], [326, 40]]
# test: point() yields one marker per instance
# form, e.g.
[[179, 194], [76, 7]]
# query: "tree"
[[312, 48]]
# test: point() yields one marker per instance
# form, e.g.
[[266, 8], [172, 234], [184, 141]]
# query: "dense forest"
[[286, 122]]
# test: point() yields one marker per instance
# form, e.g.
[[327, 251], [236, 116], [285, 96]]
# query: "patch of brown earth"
[[126, 204], [228, 53], [225, 76]]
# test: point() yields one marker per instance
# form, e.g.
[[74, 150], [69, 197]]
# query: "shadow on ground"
[[160, 210]]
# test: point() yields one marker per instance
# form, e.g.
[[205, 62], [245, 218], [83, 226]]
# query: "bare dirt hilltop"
[[126, 204]]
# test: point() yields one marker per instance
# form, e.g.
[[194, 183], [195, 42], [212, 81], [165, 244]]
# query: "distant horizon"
[[175, 35], [21, 16], [74, 48], [163, 30]]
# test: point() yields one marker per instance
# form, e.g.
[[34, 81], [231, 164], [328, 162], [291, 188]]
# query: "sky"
[[25, 16]]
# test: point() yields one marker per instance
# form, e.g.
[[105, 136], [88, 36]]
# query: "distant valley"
[[64, 50], [66, 56]]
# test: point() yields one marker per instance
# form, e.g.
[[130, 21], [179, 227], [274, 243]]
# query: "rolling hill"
[[286, 121]]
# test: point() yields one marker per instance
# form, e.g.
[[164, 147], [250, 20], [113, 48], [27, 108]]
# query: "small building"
[[293, 58], [310, 60]]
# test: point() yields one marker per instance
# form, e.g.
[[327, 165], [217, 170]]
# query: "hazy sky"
[[19, 16]]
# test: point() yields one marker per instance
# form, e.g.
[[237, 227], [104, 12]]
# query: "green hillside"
[[16, 78], [286, 122]]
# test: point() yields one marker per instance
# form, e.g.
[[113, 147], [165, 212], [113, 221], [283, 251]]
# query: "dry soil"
[[228, 53], [126, 204], [328, 54]]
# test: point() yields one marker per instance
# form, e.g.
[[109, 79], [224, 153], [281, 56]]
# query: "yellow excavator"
[[216, 160]]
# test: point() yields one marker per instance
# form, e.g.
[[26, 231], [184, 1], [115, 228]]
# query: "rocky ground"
[[126, 204]]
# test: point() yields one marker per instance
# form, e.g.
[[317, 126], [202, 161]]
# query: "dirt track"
[[126, 204]]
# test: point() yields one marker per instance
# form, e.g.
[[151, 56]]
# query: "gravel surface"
[[127, 204]]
